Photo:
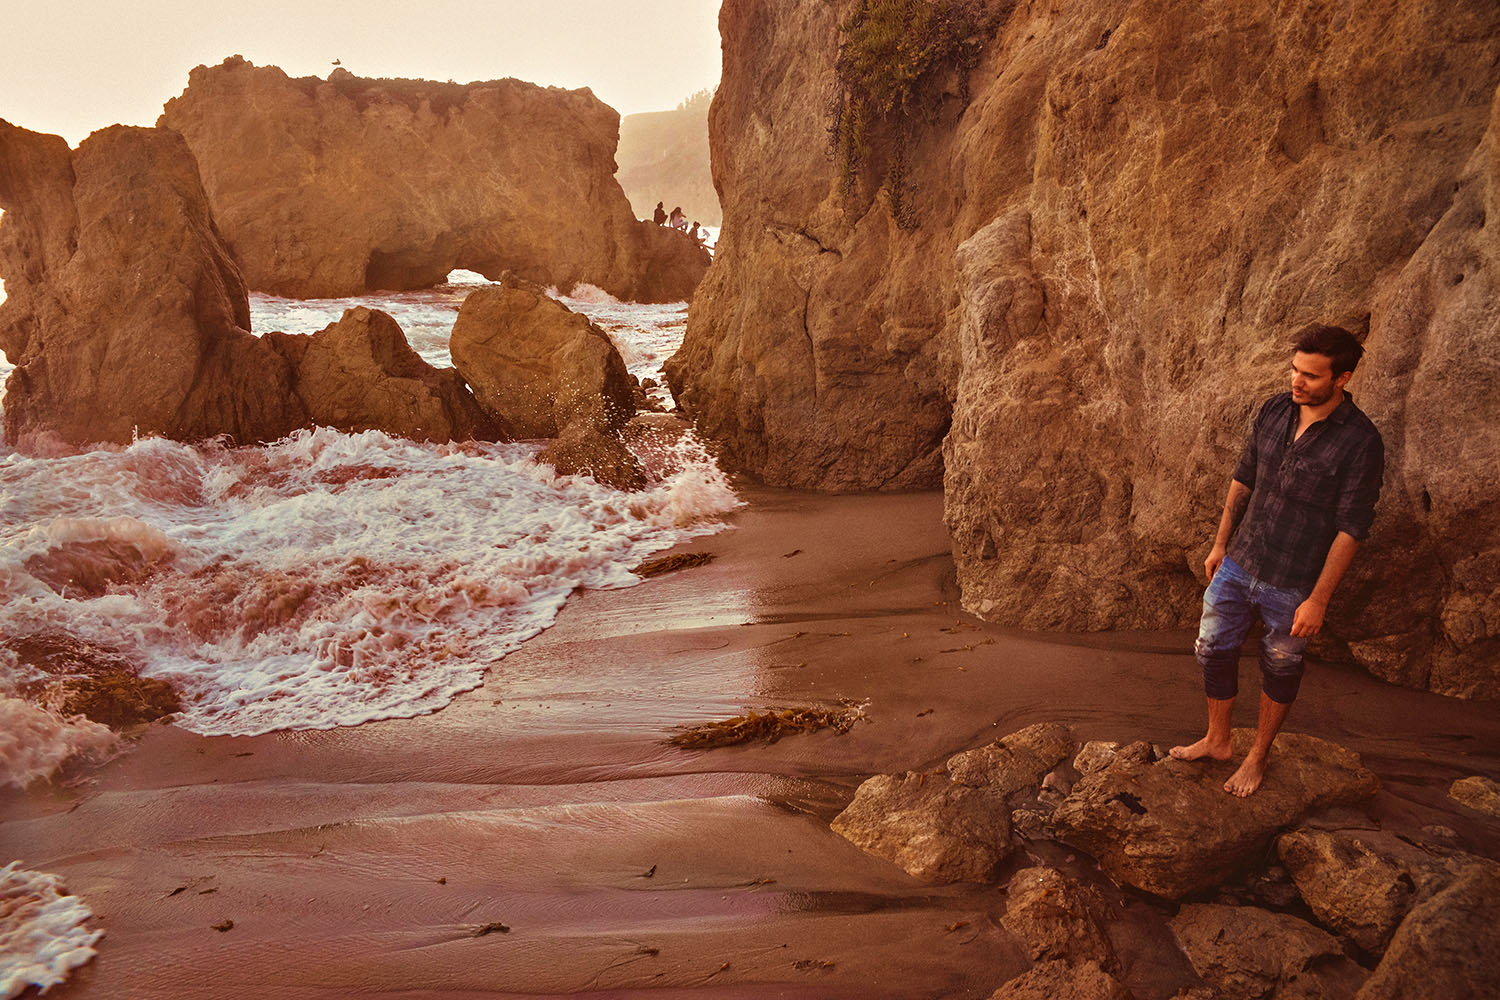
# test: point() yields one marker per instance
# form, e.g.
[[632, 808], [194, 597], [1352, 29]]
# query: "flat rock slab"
[[1246, 953], [1169, 828]]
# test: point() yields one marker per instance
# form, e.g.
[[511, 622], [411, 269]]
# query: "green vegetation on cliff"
[[897, 59]]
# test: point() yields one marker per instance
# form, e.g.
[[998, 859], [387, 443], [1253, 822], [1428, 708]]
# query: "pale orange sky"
[[72, 67]]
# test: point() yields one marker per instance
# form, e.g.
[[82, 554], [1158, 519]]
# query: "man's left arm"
[[1356, 511]]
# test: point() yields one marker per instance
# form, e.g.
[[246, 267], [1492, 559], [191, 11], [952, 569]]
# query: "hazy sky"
[[72, 67]]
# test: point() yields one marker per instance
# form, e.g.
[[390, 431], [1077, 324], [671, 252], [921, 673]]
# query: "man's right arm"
[[1234, 509]]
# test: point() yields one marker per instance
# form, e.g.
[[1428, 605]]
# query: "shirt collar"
[[1344, 410]]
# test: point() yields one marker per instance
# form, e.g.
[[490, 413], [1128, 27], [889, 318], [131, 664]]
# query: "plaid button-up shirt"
[[1304, 492]]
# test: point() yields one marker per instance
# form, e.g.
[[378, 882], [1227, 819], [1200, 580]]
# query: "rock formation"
[[1395, 914], [126, 314], [953, 825], [330, 188], [543, 371], [1246, 953], [360, 374], [1162, 826], [1448, 946], [1115, 243]]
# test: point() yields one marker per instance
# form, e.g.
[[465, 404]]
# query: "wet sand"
[[365, 860]]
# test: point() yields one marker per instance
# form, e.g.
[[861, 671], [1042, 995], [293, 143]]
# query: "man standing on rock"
[[1301, 501]]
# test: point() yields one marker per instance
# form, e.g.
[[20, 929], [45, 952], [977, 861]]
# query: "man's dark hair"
[[1333, 342]]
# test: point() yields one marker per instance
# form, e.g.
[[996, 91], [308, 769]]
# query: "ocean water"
[[328, 579]]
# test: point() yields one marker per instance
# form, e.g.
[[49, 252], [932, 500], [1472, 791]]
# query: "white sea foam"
[[328, 579], [43, 932]]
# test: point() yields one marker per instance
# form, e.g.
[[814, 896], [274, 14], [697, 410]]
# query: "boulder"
[[360, 374], [1057, 979], [1055, 918], [1447, 947], [116, 698], [935, 829], [537, 366], [1246, 953], [1094, 755], [954, 825], [1014, 762], [1478, 793], [1114, 245], [1169, 828], [333, 187], [126, 314], [1362, 883], [75, 676], [584, 450]]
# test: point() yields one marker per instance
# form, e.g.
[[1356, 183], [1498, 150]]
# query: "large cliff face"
[[1119, 231], [329, 188]]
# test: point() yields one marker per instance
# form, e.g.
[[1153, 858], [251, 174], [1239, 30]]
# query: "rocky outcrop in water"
[[360, 374], [1115, 243], [332, 187], [126, 314], [543, 371]]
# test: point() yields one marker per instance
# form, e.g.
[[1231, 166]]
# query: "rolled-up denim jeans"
[[1229, 607]]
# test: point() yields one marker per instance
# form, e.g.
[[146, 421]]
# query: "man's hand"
[[1211, 564], [1309, 617]]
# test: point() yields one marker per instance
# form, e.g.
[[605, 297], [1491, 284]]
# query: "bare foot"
[[1247, 779], [1203, 748]]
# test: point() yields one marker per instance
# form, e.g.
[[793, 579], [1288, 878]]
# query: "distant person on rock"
[[678, 220], [1301, 501], [660, 215], [694, 233]]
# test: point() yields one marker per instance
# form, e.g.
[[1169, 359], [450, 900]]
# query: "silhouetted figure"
[[660, 215], [678, 220], [696, 235]]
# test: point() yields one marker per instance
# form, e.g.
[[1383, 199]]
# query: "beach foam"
[[42, 932], [328, 579]]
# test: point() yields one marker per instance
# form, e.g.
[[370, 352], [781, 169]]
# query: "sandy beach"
[[538, 837]]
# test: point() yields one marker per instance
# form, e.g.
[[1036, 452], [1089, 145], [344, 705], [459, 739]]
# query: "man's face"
[[1313, 383]]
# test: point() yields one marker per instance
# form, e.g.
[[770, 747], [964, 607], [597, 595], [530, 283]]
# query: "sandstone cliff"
[[330, 188], [126, 314], [1119, 229]]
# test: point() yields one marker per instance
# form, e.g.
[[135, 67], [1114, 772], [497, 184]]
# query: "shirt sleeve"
[[1360, 489], [1245, 471]]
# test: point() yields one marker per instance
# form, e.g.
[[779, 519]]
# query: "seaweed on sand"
[[768, 726], [668, 564]]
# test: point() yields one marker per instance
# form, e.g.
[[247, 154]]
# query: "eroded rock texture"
[[1119, 231], [541, 370], [329, 188], [1165, 826], [126, 314], [360, 374]]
